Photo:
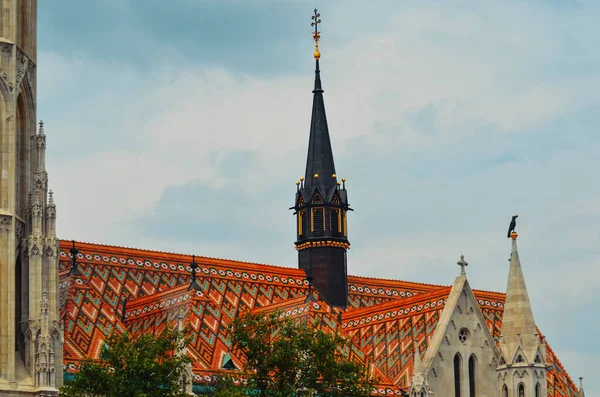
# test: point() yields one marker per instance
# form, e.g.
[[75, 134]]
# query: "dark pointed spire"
[[320, 168]]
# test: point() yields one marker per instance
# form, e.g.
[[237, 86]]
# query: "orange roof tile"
[[382, 319]]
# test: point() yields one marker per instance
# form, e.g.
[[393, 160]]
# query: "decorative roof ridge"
[[157, 296], [352, 279], [125, 249], [185, 257], [353, 276], [444, 291], [487, 293], [300, 301]]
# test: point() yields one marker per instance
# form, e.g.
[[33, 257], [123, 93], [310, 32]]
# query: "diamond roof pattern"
[[382, 320]]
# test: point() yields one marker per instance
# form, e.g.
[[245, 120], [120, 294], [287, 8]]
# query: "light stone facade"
[[463, 359], [30, 331]]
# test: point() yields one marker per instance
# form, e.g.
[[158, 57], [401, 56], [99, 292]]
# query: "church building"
[[60, 300]]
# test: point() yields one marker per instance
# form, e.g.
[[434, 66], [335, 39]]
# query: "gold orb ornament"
[[316, 176]]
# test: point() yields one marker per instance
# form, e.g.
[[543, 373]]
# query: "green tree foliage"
[[287, 358], [143, 366]]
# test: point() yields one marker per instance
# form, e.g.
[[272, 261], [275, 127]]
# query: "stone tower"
[[321, 207], [522, 366], [30, 330]]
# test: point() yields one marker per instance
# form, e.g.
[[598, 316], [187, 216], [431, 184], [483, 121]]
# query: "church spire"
[[320, 168], [518, 325], [321, 205]]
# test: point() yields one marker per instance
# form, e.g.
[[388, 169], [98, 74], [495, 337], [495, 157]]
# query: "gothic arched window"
[[538, 390], [504, 391], [521, 390], [472, 375], [457, 374]]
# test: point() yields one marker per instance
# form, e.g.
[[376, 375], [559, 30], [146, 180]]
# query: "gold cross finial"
[[316, 35]]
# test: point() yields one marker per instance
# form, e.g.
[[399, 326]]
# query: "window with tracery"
[[464, 336]]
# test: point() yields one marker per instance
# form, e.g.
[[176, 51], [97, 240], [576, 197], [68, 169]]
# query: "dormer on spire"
[[321, 205]]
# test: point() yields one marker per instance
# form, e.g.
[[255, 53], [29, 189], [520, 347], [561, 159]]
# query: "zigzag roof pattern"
[[382, 319]]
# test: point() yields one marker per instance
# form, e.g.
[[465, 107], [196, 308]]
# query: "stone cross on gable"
[[462, 263]]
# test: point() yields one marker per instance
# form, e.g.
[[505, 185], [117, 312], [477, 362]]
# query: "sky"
[[182, 126]]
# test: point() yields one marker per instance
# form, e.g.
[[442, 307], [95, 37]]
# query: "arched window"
[[472, 375], [521, 390], [457, 373], [504, 391], [538, 390]]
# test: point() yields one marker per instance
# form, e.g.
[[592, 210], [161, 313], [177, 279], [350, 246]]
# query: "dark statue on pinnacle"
[[513, 224]]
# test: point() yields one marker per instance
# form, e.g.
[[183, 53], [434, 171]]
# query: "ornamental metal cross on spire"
[[194, 266], [462, 263], [316, 35], [74, 269]]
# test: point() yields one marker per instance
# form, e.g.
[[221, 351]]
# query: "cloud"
[[445, 119]]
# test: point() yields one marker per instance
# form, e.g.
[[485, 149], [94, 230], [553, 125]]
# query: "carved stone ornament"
[[6, 79], [45, 303], [23, 63], [5, 222], [51, 211], [34, 249], [6, 47], [50, 251], [40, 140], [40, 180], [36, 209], [20, 226]]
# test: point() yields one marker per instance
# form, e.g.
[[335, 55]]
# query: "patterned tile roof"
[[382, 319]]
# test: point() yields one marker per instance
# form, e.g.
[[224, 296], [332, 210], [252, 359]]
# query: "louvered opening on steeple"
[[335, 223], [318, 221]]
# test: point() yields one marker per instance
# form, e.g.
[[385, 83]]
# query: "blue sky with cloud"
[[184, 127]]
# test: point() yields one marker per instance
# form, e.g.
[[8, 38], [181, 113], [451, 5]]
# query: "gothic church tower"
[[30, 330], [321, 206]]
